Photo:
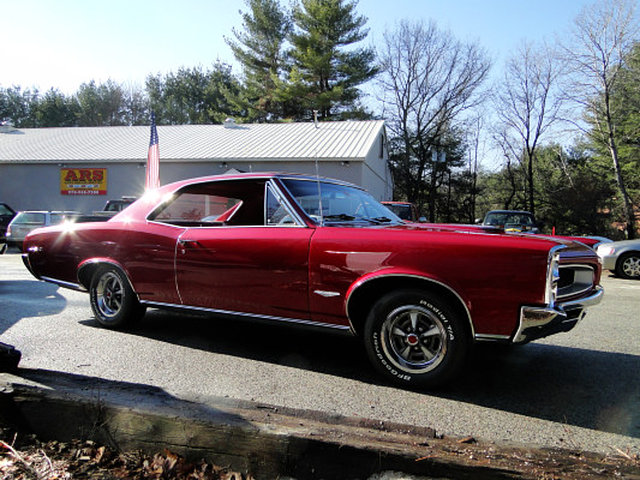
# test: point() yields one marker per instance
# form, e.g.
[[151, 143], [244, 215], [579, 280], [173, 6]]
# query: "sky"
[[64, 43]]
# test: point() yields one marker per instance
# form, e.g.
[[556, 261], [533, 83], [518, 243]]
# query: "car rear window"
[[5, 210], [57, 218], [29, 217]]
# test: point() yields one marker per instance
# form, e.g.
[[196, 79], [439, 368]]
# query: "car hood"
[[625, 243]]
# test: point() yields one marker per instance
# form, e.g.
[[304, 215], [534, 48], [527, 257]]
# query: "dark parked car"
[[6, 215], [512, 220], [322, 253], [405, 210]]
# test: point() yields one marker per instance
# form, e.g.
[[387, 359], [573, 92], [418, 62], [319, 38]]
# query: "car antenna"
[[320, 210]]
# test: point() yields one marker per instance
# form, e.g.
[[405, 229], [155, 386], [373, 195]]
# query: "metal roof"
[[348, 140]]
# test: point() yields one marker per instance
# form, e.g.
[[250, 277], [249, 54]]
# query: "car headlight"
[[605, 250], [553, 277]]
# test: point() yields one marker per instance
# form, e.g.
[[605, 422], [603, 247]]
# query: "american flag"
[[153, 159]]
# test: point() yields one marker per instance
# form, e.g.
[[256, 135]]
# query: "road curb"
[[266, 441]]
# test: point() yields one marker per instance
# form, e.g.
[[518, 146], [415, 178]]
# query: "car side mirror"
[[422, 220]]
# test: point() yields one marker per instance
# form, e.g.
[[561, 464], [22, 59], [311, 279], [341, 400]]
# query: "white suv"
[[25, 222]]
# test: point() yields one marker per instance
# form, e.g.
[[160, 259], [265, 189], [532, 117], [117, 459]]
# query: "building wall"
[[376, 174], [37, 186]]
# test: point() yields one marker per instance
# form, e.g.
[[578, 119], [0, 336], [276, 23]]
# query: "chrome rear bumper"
[[538, 322]]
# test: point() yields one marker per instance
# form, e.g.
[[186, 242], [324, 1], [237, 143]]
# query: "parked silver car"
[[24, 222], [622, 258]]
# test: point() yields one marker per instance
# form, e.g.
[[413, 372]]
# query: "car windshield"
[[509, 219], [403, 211], [339, 203]]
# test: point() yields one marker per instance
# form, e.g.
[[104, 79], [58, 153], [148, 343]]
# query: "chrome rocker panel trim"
[[296, 321], [538, 322]]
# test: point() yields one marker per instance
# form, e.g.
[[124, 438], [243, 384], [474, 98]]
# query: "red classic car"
[[323, 253]]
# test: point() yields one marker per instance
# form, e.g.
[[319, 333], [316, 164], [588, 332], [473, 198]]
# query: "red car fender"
[[413, 279]]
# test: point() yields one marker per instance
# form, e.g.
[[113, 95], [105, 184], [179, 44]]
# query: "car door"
[[255, 262]]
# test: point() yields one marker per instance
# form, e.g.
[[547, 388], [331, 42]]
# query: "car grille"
[[574, 280]]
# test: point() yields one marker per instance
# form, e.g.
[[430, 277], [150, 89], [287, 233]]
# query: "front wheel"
[[415, 339], [628, 265], [113, 301]]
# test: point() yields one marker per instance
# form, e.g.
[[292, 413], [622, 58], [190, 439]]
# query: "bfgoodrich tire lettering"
[[113, 301], [415, 339]]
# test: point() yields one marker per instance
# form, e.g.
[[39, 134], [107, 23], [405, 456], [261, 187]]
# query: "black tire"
[[113, 301], [414, 339], [628, 265]]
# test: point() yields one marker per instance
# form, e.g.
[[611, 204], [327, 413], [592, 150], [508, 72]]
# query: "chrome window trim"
[[272, 186], [219, 227], [297, 321], [269, 184]]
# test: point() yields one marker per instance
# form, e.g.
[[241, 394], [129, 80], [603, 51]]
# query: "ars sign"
[[83, 181]]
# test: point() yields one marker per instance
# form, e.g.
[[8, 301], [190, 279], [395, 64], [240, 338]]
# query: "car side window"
[[220, 203], [197, 209], [275, 211]]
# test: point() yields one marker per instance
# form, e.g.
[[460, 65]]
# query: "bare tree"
[[509, 146], [475, 147], [526, 104], [603, 35], [428, 79]]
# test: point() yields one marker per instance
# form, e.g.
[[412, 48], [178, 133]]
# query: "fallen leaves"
[[66, 460]]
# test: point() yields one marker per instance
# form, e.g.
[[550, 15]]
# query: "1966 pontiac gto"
[[323, 253]]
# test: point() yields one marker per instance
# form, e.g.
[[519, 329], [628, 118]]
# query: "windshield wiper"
[[343, 217], [376, 220]]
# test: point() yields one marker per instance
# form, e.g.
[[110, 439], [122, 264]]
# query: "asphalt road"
[[575, 390]]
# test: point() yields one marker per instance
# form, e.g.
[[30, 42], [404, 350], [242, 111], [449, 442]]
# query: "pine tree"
[[325, 75], [259, 48]]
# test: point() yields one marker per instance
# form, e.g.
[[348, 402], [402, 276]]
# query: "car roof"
[[48, 211], [258, 176], [520, 212]]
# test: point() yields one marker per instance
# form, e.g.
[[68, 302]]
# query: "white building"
[[80, 168]]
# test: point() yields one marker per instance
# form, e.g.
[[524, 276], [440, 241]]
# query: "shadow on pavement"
[[42, 299], [586, 388]]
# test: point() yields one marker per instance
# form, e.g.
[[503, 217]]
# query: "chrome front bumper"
[[538, 322]]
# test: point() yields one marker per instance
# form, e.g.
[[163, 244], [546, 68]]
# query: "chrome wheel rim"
[[109, 295], [631, 267], [414, 339]]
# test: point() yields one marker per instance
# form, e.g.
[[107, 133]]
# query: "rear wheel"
[[113, 301], [628, 265], [415, 339]]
